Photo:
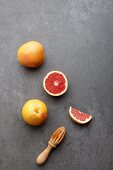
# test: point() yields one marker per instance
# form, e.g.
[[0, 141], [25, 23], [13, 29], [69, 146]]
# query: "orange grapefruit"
[[31, 54], [55, 83], [78, 116]]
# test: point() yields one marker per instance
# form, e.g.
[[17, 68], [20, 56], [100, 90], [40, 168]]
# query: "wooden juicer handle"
[[44, 155]]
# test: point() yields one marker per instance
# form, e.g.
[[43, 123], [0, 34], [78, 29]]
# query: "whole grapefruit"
[[34, 112], [31, 54]]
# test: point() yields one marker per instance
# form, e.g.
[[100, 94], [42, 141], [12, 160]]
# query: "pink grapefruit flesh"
[[55, 83], [78, 116]]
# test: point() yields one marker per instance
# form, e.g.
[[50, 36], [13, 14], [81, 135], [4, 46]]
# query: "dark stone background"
[[78, 39]]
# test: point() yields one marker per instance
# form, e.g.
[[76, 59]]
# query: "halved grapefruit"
[[55, 83], [78, 116]]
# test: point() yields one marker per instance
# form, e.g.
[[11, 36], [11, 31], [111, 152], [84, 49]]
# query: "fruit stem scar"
[[36, 110], [56, 83]]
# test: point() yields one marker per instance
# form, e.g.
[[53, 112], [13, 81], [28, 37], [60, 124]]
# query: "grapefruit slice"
[[55, 83], [78, 116]]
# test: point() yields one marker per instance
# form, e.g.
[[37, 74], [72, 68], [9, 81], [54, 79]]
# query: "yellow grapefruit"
[[34, 112]]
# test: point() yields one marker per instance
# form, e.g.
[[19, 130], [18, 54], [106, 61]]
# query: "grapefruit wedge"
[[78, 116], [55, 83]]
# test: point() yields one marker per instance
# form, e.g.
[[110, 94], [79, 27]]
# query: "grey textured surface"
[[78, 39]]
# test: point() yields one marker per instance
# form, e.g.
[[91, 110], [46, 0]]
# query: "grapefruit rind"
[[66, 83], [78, 121]]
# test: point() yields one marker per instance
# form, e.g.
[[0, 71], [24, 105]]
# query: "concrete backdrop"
[[78, 40]]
